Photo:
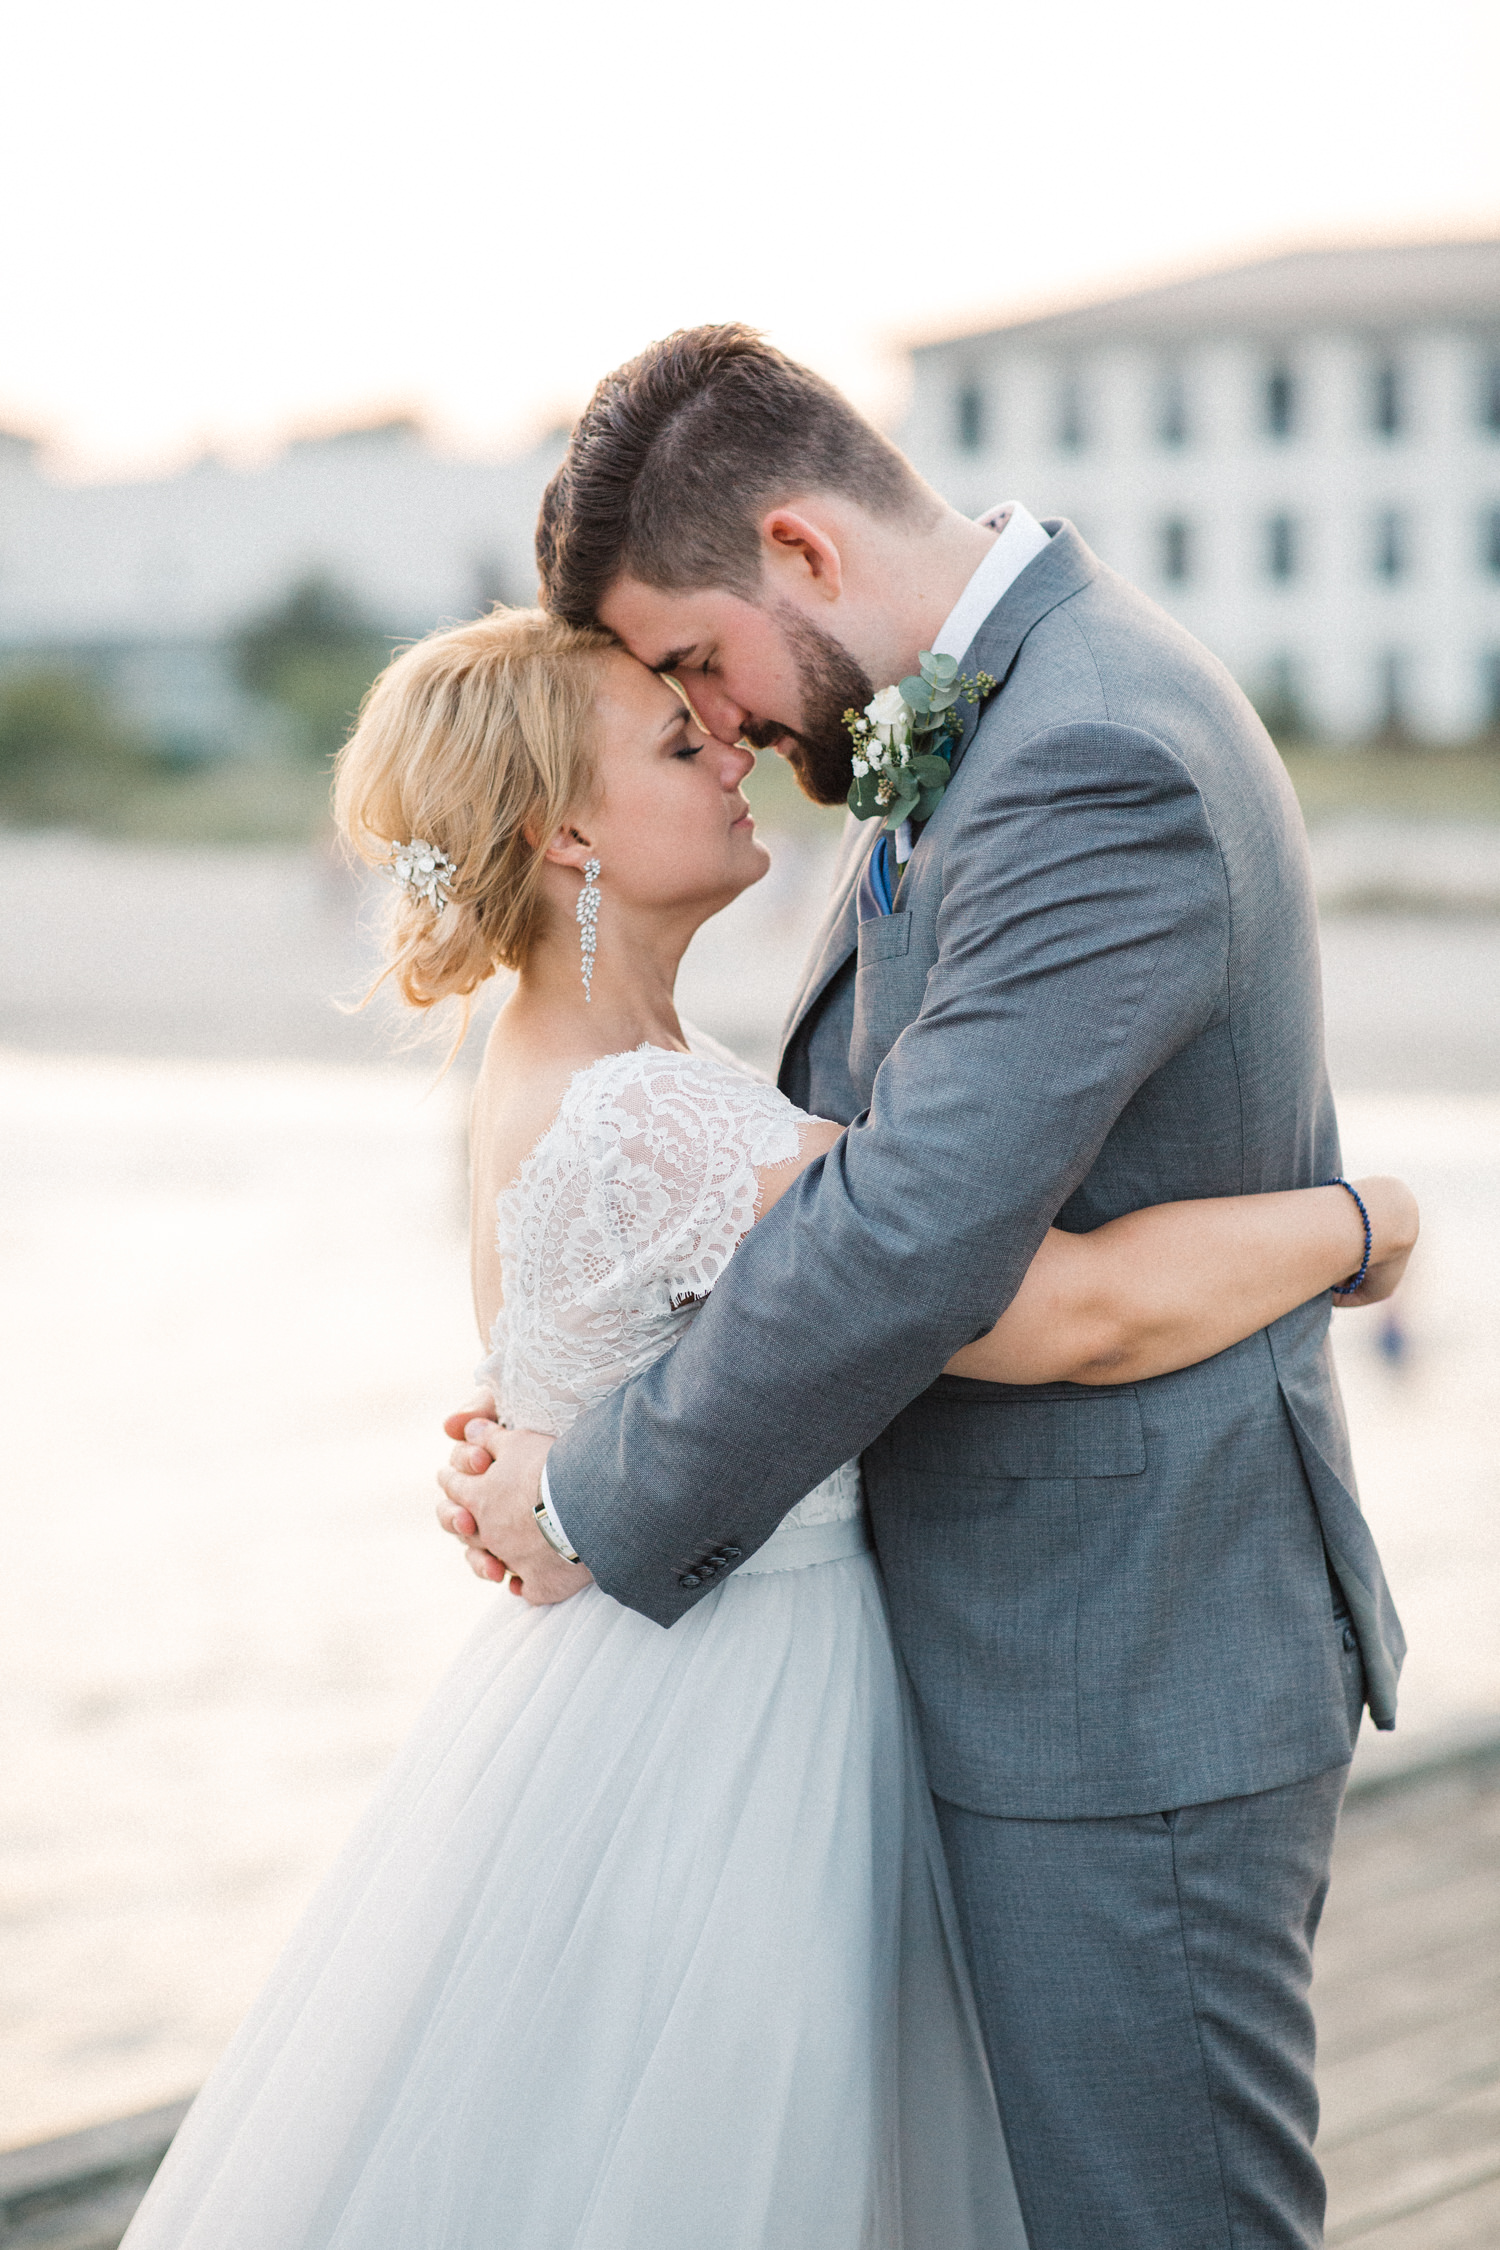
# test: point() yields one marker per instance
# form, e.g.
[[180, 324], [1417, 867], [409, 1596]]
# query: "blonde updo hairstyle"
[[468, 738]]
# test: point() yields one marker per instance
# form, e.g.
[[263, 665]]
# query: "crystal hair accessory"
[[423, 872], [588, 923]]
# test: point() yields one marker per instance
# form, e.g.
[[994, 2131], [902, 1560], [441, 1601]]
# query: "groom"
[[1140, 1622]]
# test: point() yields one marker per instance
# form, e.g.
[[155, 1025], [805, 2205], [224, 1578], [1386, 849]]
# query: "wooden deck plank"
[[1466, 2220], [1461, 1908], [1407, 1998], [1371, 2090], [1404, 2000], [1426, 2159]]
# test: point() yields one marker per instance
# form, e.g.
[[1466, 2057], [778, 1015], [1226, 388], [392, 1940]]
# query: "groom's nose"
[[719, 712]]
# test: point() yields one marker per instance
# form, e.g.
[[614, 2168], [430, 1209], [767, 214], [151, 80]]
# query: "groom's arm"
[[1083, 941]]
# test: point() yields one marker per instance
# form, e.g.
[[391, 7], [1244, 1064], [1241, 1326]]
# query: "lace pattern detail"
[[833, 1501], [618, 1225]]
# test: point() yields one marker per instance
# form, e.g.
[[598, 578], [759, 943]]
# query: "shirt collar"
[[1021, 539]]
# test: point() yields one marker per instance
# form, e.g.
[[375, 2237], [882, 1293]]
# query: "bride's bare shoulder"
[[518, 1090]]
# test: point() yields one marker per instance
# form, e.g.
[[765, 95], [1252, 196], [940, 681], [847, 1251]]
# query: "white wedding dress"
[[645, 1943]]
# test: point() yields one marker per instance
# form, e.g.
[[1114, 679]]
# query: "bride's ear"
[[566, 847]]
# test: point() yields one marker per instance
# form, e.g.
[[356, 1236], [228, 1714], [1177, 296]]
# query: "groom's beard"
[[832, 683]]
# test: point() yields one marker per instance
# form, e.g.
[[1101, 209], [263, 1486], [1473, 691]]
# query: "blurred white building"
[[146, 579], [1299, 458]]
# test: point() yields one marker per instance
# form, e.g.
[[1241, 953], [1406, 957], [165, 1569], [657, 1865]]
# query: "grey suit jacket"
[[1099, 991]]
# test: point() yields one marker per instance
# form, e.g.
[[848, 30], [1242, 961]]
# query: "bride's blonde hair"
[[465, 741]]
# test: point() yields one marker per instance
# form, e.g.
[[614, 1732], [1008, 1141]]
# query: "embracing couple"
[[898, 1812]]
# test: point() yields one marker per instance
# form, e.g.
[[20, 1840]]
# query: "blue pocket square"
[[878, 879]]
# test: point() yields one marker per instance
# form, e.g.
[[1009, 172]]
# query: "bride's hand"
[[480, 1406], [1394, 1225], [470, 1460], [490, 1509]]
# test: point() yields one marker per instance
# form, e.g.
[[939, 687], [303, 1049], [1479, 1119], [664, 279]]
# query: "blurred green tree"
[[312, 654], [65, 752]]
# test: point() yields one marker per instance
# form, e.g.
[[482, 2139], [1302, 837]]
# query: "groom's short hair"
[[680, 452]]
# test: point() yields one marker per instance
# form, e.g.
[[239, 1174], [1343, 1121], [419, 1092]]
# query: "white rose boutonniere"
[[901, 741]]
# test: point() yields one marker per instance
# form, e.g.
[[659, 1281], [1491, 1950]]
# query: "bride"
[[646, 1942]]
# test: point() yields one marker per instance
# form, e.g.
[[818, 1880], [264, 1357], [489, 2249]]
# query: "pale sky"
[[223, 223]]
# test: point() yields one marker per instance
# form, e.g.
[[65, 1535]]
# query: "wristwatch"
[[552, 1531]]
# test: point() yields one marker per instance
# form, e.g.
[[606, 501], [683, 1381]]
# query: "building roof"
[[1380, 287]]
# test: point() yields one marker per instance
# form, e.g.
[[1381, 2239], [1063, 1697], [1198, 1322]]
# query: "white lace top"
[[618, 1225]]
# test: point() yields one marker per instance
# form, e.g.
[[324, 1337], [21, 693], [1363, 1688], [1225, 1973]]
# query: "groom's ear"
[[801, 551]]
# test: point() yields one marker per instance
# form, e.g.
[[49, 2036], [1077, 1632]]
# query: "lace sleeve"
[[623, 1218], [673, 1143]]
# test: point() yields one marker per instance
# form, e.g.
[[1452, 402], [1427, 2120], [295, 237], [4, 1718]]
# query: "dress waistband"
[[795, 1546]]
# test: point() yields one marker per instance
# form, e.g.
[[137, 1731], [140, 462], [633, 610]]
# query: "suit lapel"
[[1065, 567], [838, 932]]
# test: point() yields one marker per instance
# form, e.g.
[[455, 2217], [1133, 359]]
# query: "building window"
[[1392, 544], [1281, 549], [1281, 702], [1176, 550], [1072, 423], [1489, 398], [969, 418], [1387, 400], [1489, 541], [1172, 409], [1392, 692], [1280, 402], [1491, 691]]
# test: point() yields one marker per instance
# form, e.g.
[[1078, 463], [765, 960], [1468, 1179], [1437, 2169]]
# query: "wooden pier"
[[1408, 2004], [1407, 1993]]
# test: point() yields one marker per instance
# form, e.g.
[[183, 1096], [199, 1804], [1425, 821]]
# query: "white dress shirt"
[[1020, 540]]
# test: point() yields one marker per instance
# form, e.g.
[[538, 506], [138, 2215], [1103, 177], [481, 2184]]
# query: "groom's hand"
[[490, 1491]]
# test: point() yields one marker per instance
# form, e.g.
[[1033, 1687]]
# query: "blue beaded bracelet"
[[1347, 1288]]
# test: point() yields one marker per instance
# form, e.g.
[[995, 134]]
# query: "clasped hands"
[[490, 1490]]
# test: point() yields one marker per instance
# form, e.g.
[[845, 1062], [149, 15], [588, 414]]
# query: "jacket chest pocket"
[[889, 983], [886, 937]]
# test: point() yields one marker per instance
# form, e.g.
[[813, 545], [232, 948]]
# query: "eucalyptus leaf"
[[931, 772], [916, 694], [940, 669]]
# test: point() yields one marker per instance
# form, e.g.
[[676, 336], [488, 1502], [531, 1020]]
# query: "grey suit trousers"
[[1143, 1984]]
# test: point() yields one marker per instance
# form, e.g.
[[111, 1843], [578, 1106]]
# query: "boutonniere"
[[901, 740]]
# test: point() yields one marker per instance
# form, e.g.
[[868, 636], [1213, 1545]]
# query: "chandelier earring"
[[588, 923]]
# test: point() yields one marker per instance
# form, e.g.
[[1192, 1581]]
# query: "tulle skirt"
[[645, 1944]]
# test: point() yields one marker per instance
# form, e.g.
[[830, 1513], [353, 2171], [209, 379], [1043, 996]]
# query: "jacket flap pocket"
[[1009, 1435], [884, 937]]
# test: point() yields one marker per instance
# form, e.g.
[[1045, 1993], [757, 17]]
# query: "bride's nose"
[[736, 760]]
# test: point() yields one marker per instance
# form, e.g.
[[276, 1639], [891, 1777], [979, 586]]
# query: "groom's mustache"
[[821, 764]]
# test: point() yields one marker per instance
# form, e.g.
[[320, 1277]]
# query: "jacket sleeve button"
[[732, 1554], [690, 1578]]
